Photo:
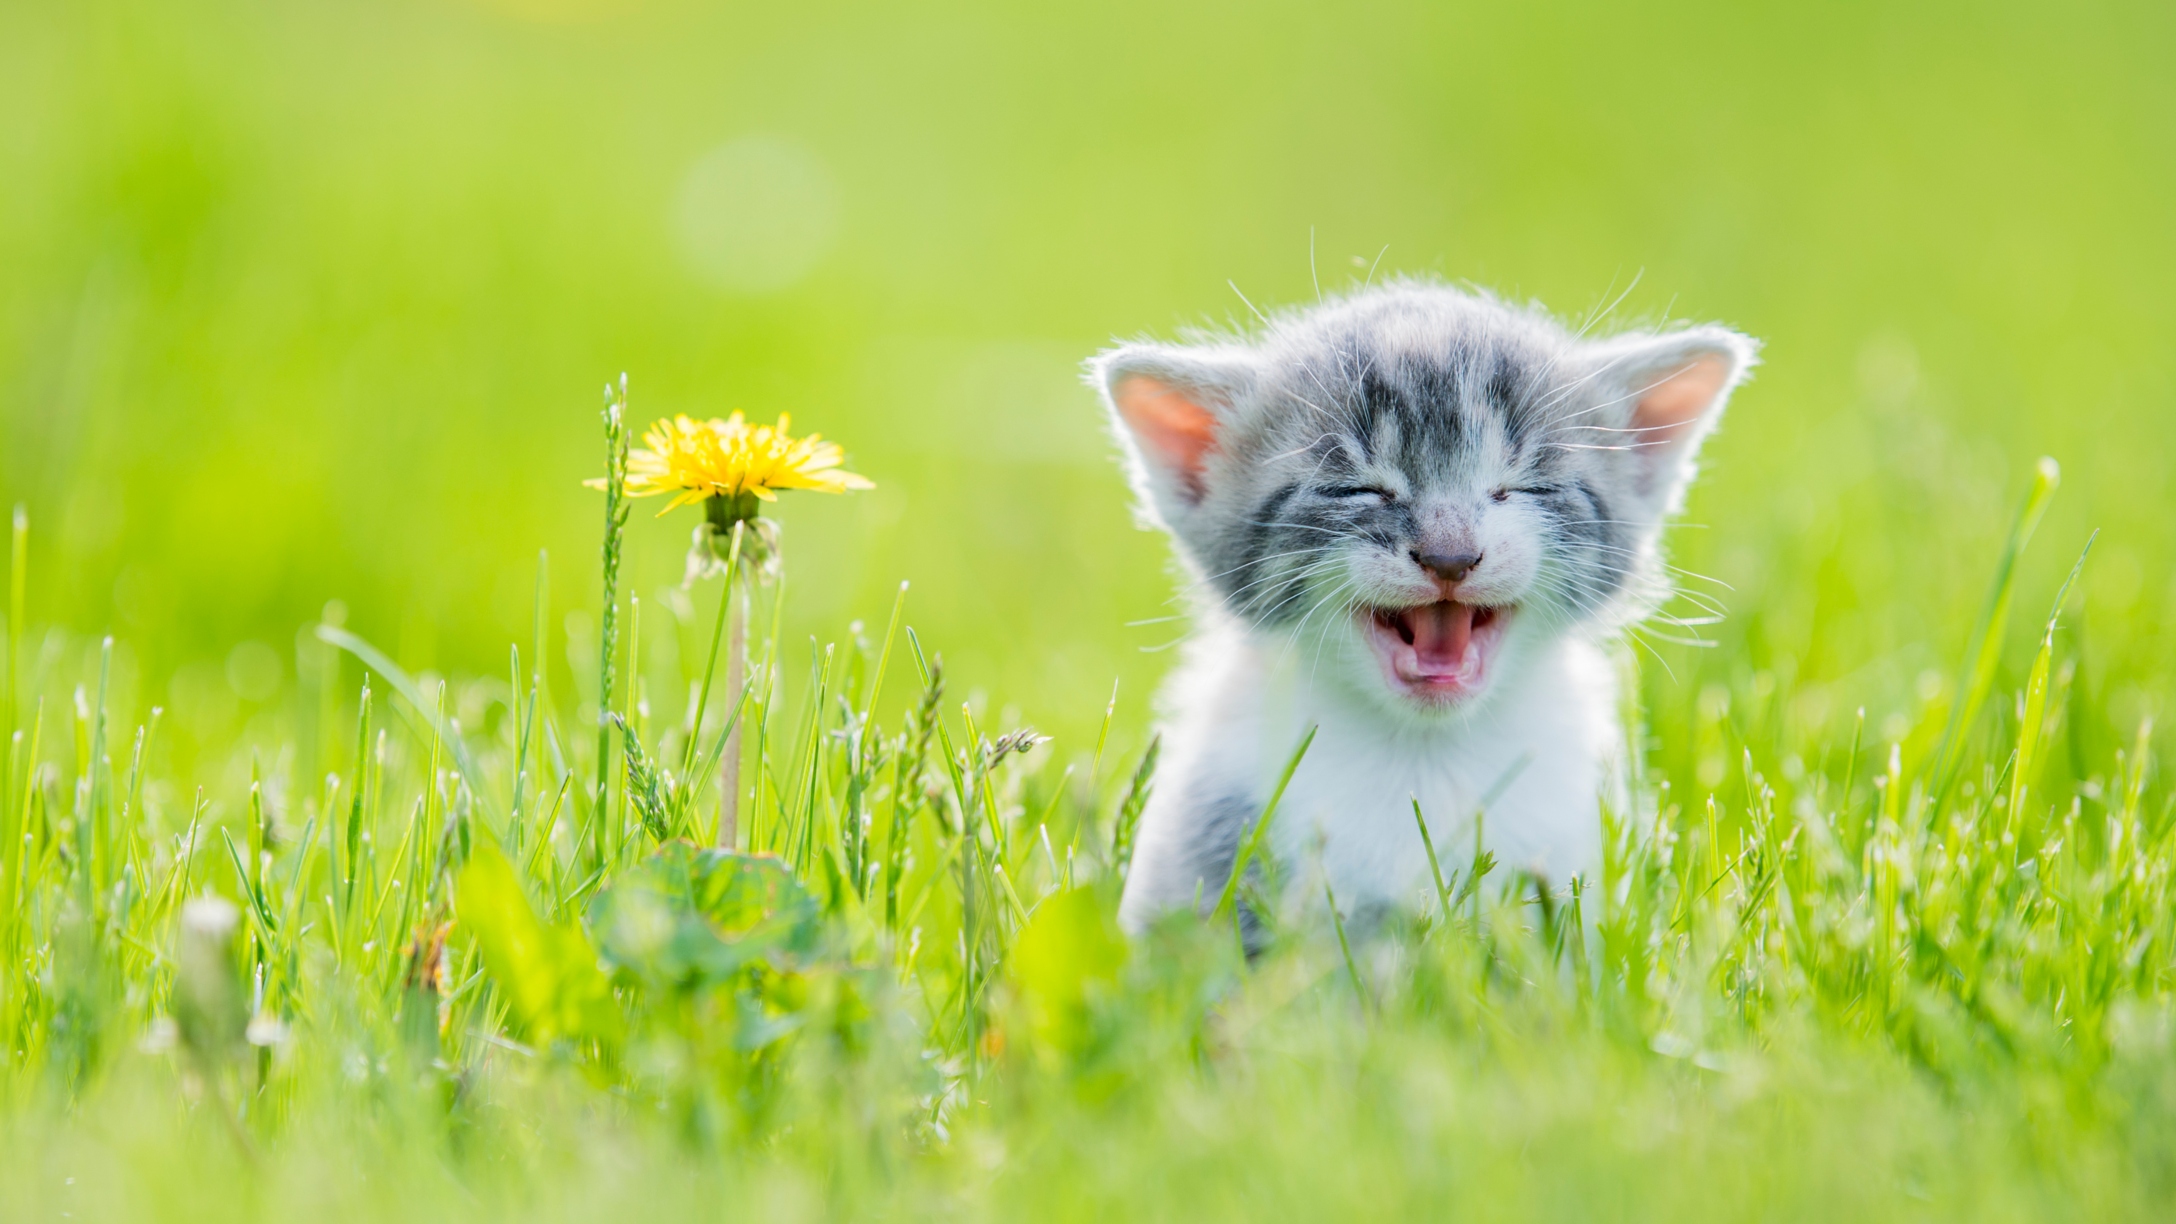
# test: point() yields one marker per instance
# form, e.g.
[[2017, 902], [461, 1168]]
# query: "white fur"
[[1239, 707]]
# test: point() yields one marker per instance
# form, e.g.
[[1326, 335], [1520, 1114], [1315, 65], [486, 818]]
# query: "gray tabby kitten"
[[1418, 517]]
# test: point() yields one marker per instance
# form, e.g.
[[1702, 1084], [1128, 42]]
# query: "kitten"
[[1417, 518]]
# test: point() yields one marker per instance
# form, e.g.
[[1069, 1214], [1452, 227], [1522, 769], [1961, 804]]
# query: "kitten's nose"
[[1450, 567]]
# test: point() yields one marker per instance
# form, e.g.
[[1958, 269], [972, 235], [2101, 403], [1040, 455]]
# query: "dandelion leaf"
[[688, 917], [1070, 951], [549, 974]]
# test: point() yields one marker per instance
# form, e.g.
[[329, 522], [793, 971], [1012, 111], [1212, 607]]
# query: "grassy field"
[[303, 314]]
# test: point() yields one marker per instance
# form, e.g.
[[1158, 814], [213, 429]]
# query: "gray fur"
[[1212, 846], [1214, 840], [1449, 394]]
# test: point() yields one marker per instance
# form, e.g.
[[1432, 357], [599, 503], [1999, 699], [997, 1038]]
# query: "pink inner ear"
[[1178, 432], [1677, 401]]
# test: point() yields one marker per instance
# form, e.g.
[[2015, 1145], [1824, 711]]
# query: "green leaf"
[[687, 917], [549, 974], [1070, 949]]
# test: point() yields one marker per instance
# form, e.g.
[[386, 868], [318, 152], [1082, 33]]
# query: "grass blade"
[[1977, 674], [1252, 841]]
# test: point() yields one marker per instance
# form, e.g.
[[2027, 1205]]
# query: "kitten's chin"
[[1438, 655]]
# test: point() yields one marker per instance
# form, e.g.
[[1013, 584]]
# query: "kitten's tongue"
[[1441, 633]]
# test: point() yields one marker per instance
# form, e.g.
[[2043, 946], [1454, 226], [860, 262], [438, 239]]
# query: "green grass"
[[1918, 976], [301, 320]]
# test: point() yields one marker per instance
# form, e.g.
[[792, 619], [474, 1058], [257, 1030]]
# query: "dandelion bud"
[[210, 1011], [710, 551], [266, 1031]]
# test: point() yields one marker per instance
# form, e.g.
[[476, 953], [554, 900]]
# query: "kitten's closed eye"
[[1501, 495], [1345, 492]]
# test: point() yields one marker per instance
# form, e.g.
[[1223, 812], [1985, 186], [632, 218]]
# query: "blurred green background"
[[303, 302]]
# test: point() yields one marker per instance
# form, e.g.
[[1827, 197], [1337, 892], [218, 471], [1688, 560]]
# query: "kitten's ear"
[[1171, 406], [1664, 394]]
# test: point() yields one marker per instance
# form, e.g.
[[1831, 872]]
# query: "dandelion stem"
[[736, 681], [728, 610]]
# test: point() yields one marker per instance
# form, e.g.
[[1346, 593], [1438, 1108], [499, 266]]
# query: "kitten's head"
[[1414, 485]]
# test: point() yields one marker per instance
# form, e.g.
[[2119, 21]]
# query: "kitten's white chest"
[[1538, 760], [1545, 751]]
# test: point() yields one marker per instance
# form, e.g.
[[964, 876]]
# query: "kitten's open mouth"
[[1439, 652]]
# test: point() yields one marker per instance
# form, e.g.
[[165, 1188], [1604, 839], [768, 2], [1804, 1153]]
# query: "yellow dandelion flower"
[[698, 460]]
